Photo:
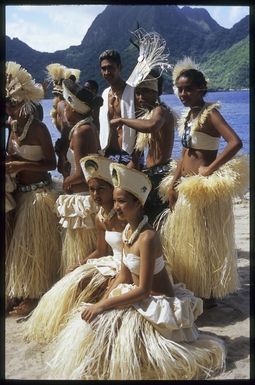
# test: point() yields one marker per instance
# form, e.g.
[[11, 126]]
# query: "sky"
[[55, 27]]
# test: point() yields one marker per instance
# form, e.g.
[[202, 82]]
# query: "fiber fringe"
[[78, 244], [34, 253], [120, 344], [198, 236], [53, 310]]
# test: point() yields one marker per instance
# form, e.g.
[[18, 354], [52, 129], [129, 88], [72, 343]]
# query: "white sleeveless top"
[[114, 239], [29, 152], [70, 158], [203, 141], [132, 262]]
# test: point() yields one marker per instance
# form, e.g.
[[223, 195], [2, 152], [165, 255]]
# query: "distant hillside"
[[236, 60], [188, 32]]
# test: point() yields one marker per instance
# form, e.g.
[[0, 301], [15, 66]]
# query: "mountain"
[[187, 31]]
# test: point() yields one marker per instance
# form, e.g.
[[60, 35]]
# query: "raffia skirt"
[[77, 218], [153, 339], [198, 236], [87, 283], [33, 255]]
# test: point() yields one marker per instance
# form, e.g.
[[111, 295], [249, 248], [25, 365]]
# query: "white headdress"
[[96, 166], [21, 87], [131, 180], [151, 56], [182, 65], [57, 73]]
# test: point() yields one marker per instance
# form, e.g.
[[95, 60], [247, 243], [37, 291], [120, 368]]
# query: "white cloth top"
[[109, 265], [172, 317], [70, 158], [203, 141], [29, 152], [127, 108], [132, 262]]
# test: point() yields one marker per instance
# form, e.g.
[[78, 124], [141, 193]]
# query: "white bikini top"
[[29, 152], [114, 239], [70, 158], [202, 141], [132, 262]]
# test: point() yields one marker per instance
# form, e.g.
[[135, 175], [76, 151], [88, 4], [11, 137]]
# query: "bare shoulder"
[[149, 235]]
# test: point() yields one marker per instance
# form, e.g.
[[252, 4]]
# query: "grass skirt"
[[34, 253], [121, 344], [198, 236], [84, 284], [77, 217]]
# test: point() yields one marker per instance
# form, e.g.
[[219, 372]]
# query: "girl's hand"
[[204, 171], [92, 311], [14, 167]]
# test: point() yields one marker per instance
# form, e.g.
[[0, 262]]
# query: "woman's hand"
[[92, 311], [14, 167], [115, 123], [204, 171], [67, 187], [172, 197]]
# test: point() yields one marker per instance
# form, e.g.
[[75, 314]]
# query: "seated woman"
[[143, 327], [199, 232], [88, 281], [75, 208], [33, 253]]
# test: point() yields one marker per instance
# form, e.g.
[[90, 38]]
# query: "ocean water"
[[235, 108]]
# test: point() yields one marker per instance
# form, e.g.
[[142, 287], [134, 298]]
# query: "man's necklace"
[[129, 241]]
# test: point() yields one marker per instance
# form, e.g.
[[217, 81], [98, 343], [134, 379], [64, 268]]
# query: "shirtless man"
[[117, 144], [156, 133]]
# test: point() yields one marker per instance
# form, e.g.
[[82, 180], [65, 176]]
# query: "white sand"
[[229, 320]]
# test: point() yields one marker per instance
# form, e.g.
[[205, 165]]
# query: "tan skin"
[[102, 194], [160, 126], [202, 162], [28, 171], [38, 134], [84, 141], [148, 248], [111, 73]]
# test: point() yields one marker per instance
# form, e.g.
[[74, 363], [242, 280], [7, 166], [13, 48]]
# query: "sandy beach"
[[229, 320]]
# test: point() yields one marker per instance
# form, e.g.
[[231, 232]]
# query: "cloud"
[[50, 28]]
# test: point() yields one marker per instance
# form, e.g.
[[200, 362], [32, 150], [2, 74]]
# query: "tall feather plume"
[[152, 55]]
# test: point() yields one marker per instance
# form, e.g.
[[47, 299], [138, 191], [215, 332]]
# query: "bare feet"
[[25, 307]]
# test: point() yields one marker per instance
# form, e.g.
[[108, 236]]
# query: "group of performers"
[[112, 271]]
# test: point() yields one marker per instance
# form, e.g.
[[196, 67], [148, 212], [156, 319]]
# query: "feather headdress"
[[182, 65], [21, 87], [151, 56], [57, 73]]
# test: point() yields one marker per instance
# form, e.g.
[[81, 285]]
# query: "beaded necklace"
[[134, 235], [105, 217]]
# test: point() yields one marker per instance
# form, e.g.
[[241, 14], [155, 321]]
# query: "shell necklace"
[[105, 217], [25, 129], [134, 235]]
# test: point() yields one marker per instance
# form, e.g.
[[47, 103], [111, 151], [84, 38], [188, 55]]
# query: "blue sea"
[[235, 108]]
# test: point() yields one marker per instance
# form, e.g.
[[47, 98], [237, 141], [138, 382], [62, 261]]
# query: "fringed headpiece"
[[131, 180], [151, 56], [183, 65], [21, 87], [96, 166], [57, 73]]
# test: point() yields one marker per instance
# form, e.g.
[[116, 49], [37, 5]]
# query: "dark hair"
[[84, 94], [93, 85], [197, 78], [111, 55]]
